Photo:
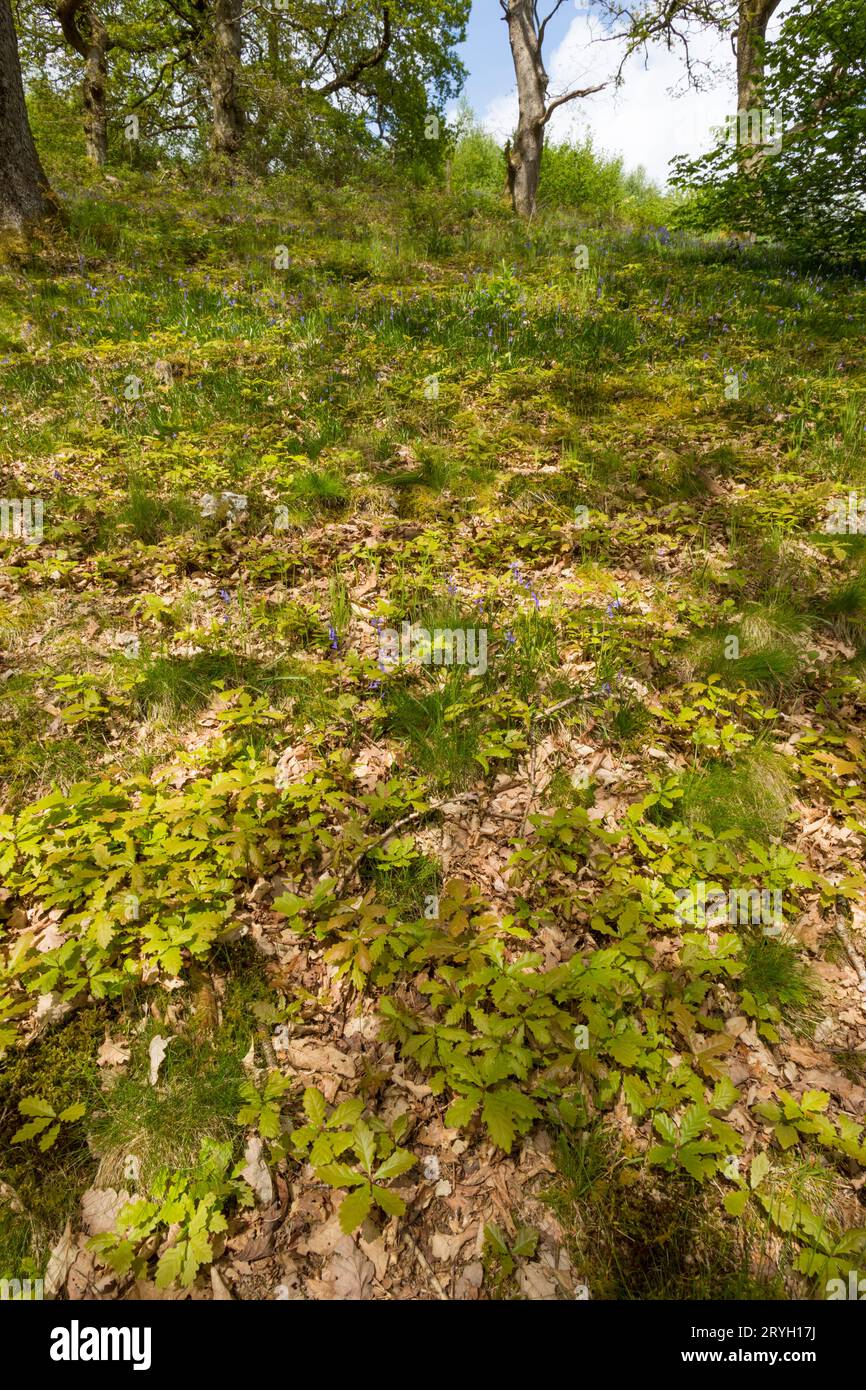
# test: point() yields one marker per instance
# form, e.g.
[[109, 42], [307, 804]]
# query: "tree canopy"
[[807, 186]]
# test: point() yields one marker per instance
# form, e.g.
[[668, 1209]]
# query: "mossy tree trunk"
[[25, 197]]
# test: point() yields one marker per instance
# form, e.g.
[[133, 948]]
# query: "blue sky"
[[648, 121], [487, 55]]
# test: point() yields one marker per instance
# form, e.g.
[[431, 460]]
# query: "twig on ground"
[[426, 1266], [343, 879], [268, 1049], [850, 950]]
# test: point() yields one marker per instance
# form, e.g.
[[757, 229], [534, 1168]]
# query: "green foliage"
[[502, 1254], [794, 1203], [478, 163], [698, 1143], [145, 875], [791, 1120], [710, 716], [249, 778], [329, 1135], [808, 192], [45, 1120], [393, 77], [261, 1108], [193, 1204], [574, 177], [579, 178]]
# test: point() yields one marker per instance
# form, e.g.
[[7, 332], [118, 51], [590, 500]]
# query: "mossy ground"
[[432, 416]]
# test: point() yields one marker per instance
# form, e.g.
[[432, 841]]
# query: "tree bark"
[[90, 40], [523, 156], [754, 16], [25, 197], [752, 21], [227, 124], [95, 80]]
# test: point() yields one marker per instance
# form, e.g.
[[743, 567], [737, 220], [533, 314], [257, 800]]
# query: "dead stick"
[[344, 877], [531, 796], [554, 709], [425, 1264], [850, 950]]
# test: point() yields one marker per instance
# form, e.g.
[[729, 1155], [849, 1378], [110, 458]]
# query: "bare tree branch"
[[542, 28], [570, 96], [369, 60]]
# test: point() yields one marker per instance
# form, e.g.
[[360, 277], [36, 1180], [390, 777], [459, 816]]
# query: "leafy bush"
[[811, 192]]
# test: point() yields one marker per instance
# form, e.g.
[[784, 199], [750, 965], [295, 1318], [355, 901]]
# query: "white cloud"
[[642, 121]]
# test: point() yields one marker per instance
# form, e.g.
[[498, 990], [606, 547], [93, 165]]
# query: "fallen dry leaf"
[[221, 1291], [257, 1173], [320, 1058], [112, 1054], [156, 1052], [60, 1262], [349, 1273], [100, 1207]]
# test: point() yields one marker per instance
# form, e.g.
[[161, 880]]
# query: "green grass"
[[776, 974], [751, 796], [60, 1068], [631, 1237], [442, 748], [370, 498], [150, 518], [410, 889], [162, 1126], [763, 647]]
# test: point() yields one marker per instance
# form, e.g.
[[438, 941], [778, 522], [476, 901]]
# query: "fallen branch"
[[851, 951], [563, 704], [426, 1266], [340, 883]]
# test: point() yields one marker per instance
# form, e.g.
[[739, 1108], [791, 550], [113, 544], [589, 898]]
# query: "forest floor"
[[505, 916]]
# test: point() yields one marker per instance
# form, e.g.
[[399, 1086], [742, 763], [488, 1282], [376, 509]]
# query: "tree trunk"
[[273, 48], [95, 79], [90, 40], [227, 115], [24, 194], [753, 18], [524, 158]]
